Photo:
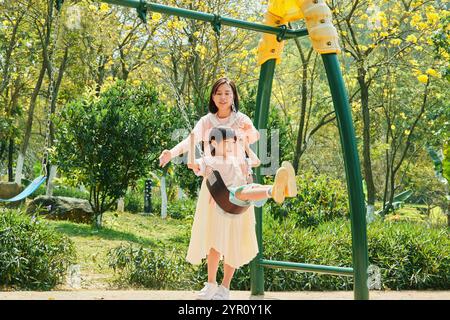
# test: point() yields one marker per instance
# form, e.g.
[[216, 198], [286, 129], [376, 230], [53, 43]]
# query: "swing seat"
[[28, 190], [221, 194]]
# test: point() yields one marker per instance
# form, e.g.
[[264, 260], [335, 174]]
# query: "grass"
[[93, 245]]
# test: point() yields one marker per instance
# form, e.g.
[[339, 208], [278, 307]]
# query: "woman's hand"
[[247, 126], [164, 158]]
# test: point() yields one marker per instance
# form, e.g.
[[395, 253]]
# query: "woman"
[[216, 235]]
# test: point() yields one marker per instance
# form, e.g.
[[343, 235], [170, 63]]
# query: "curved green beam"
[[353, 174], [208, 17]]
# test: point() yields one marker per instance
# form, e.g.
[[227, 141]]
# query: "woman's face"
[[223, 98]]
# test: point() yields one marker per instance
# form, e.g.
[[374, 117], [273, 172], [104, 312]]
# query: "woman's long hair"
[[212, 106]]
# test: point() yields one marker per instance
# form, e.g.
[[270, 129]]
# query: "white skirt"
[[233, 236]]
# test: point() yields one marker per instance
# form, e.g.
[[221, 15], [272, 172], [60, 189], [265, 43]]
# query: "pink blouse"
[[203, 128]]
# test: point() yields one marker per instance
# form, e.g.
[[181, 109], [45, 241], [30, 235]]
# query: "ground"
[[235, 295]]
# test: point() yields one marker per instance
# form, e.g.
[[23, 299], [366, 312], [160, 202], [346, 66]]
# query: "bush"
[[150, 267], [32, 256], [409, 256], [62, 191], [178, 209], [182, 209], [134, 202], [319, 199]]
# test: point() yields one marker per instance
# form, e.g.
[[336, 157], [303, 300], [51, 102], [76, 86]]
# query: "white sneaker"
[[208, 291], [222, 294]]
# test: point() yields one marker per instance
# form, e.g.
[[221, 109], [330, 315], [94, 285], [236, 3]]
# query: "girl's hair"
[[212, 106], [219, 134]]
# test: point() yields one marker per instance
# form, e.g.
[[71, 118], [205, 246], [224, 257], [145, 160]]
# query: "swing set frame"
[[359, 271]]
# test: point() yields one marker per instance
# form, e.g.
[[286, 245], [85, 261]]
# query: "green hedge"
[[319, 199], [410, 256], [32, 255]]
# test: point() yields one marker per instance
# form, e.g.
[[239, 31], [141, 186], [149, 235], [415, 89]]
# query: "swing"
[[221, 194], [28, 190], [216, 186], [36, 183]]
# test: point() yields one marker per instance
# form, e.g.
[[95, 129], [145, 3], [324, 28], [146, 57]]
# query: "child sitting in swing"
[[222, 141]]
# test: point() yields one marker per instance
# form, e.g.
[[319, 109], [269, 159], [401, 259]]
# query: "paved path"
[[236, 295]]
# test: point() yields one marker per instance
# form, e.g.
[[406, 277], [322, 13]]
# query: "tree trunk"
[[367, 163], [52, 175], [10, 160], [304, 100], [98, 221], [29, 124], [2, 150], [62, 68]]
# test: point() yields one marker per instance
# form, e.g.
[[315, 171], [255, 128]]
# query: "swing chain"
[[178, 97], [142, 11], [48, 105], [217, 24], [282, 34]]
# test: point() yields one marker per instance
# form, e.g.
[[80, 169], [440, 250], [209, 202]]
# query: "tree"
[[105, 143]]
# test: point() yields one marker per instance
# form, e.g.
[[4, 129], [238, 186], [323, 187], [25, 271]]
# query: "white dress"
[[233, 236]]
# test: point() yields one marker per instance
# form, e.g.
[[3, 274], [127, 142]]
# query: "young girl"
[[223, 159]]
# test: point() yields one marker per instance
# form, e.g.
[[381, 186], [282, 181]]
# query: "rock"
[[9, 190], [62, 208]]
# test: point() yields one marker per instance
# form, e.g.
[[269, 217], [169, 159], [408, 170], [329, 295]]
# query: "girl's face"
[[223, 98], [225, 147]]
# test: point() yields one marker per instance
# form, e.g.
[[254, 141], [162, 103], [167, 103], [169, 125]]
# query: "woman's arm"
[[254, 160], [183, 146], [250, 131]]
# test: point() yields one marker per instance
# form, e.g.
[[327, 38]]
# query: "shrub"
[[319, 199], [181, 209], [32, 255], [134, 202], [178, 209], [62, 191], [150, 267], [409, 256]]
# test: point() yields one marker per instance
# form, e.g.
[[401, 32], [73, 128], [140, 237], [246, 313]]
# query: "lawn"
[[92, 246]]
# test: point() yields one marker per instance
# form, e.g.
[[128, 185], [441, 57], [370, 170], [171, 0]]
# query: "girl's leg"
[[260, 192], [228, 272], [213, 264], [254, 193]]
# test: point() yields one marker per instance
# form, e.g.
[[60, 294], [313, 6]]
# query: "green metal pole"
[[340, 271], [260, 122], [353, 173], [208, 17]]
